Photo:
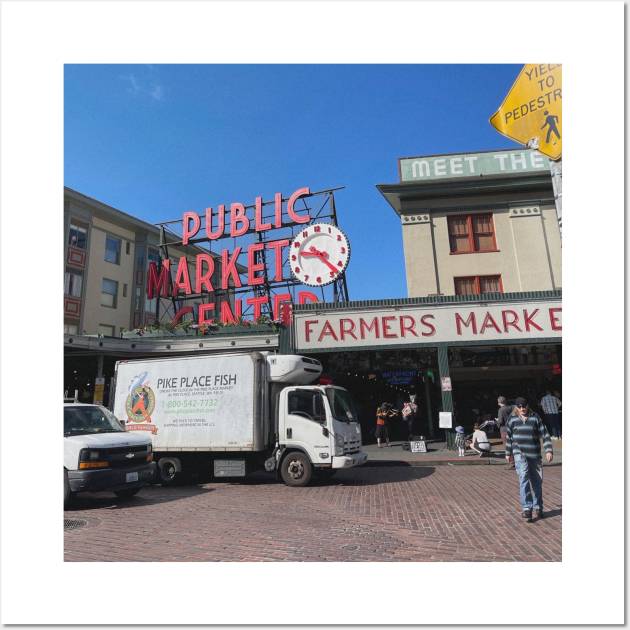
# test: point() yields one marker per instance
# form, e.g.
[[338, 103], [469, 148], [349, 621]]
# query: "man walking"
[[524, 432], [551, 408]]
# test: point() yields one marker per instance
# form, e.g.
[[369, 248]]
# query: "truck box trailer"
[[231, 414]]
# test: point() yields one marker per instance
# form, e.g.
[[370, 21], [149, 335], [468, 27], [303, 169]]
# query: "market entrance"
[[479, 374], [377, 376]]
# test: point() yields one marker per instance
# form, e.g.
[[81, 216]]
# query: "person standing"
[[550, 405], [503, 416], [383, 414], [525, 429], [409, 413], [460, 441]]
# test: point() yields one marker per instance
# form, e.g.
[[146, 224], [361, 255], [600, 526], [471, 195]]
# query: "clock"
[[319, 254]]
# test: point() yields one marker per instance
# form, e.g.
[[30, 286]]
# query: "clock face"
[[319, 254]]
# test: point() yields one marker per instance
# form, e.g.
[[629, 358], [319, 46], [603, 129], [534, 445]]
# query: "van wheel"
[[167, 472], [67, 495], [126, 494], [296, 469]]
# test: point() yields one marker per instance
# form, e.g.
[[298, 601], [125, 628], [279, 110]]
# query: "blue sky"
[[157, 140]]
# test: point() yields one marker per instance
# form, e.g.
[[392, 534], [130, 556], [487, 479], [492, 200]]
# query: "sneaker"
[[538, 514], [527, 515]]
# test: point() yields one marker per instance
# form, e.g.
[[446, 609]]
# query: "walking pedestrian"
[[503, 415], [480, 443], [525, 430], [550, 405], [460, 441]]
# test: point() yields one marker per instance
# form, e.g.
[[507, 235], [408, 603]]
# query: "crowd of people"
[[521, 429]]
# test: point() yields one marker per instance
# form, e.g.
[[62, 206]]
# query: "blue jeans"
[[530, 477]]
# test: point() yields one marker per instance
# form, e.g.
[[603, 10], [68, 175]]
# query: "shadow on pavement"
[[388, 472], [151, 495]]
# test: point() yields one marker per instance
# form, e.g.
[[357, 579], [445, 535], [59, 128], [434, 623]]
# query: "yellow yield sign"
[[531, 113]]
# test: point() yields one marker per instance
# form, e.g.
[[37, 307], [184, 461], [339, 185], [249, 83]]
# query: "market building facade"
[[483, 316]]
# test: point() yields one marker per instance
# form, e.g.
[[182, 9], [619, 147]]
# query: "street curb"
[[375, 463]]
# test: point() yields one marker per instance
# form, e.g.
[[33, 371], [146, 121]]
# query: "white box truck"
[[231, 414]]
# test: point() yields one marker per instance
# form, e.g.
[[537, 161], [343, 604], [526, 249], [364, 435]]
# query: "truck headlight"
[[338, 444], [91, 458]]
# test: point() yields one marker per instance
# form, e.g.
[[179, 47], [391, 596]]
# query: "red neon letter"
[[182, 277], [189, 232], [253, 267], [203, 309], [204, 280], [306, 296], [260, 226], [278, 246], [278, 210], [229, 317], [237, 215], [300, 192], [180, 314], [218, 233], [161, 283], [228, 268], [278, 299], [257, 303]]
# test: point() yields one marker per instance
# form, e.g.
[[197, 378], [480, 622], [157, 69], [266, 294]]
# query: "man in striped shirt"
[[551, 408], [522, 446]]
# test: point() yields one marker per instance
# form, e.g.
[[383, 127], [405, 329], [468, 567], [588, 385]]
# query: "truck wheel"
[[67, 495], [296, 469], [167, 472], [126, 494]]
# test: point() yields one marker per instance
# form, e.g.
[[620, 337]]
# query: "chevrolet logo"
[[129, 455]]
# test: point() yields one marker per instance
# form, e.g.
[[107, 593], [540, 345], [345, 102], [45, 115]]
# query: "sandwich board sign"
[[531, 113]]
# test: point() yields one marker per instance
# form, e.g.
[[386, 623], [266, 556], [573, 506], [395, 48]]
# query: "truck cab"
[[322, 422]]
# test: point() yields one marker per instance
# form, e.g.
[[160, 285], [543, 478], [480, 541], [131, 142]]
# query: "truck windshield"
[[342, 405], [89, 419]]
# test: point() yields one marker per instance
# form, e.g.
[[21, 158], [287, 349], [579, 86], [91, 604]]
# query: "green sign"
[[436, 167]]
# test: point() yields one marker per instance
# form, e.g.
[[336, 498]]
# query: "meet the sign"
[[438, 324], [471, 165]]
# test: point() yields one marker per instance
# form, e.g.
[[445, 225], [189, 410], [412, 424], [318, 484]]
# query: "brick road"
[[387, 513]]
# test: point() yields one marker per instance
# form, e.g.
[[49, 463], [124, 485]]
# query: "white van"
[[100, 455]]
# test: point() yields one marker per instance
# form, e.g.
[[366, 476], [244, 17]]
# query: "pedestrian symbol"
[[531, 113]]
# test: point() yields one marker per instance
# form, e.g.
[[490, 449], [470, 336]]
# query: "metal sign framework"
[[319, 205]]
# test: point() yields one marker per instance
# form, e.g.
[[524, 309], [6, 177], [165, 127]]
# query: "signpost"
[[531, 114]]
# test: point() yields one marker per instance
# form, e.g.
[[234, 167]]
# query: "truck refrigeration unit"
[[232, 414]]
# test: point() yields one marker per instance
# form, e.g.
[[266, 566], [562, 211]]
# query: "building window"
[[105, 329], [109, 293], [70, 329], [124, 290], [474, 285], [127, 247], [112, 250], [471, 233], [73, 283], [77, 236]]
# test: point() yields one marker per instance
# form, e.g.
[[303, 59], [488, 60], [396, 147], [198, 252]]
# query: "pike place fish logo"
[[139, 406]]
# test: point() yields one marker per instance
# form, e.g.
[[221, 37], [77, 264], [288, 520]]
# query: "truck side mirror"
[[325, 432]]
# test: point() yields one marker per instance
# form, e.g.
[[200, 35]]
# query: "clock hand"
[[323, 256]]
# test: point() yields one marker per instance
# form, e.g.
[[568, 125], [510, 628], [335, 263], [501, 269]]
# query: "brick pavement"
[[380, 513]]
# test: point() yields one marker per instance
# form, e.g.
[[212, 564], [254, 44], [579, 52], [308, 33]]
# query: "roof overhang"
[[455, 188]]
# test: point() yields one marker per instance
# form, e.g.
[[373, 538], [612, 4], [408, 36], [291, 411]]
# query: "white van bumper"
[[348, 461]]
